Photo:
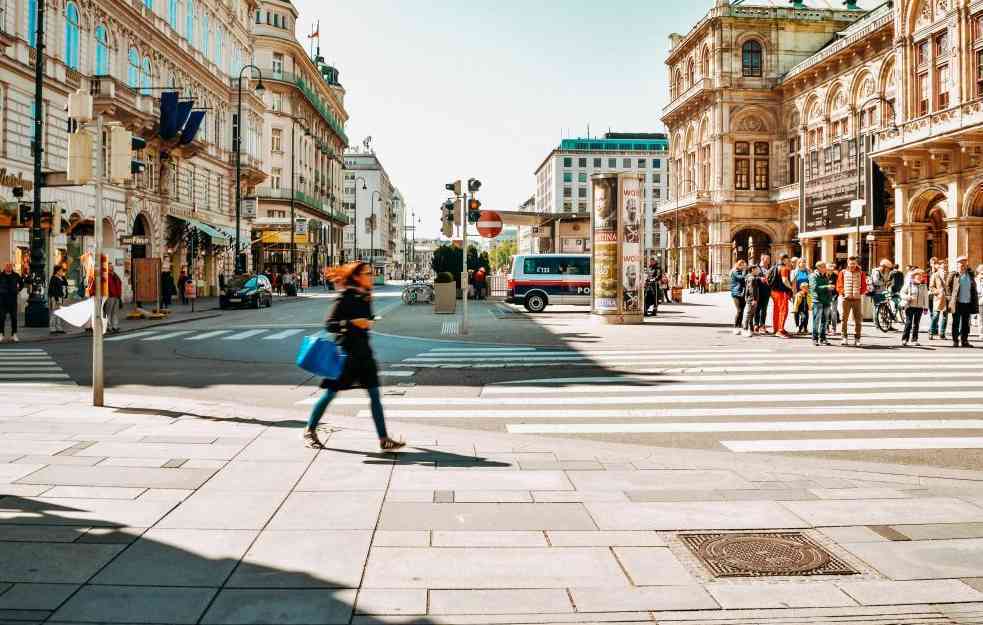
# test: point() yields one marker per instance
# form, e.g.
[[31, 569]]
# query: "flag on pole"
[[317, 31]]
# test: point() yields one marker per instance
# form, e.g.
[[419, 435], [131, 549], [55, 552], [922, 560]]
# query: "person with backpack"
[[914, 298], [351, 321], [779, 281], [752, 298], [821, 288], [765, 293]]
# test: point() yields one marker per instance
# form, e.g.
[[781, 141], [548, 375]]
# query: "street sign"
[[134, 239], [489, 224], [856, 208], [249, 205]]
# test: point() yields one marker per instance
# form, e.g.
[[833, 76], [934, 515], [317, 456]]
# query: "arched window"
[[102, 51], [189, 22], [172, 13], [145, 75], [705, 63], [751, 59], [133, 72], [32, 23], [72, 36], [690, 73]]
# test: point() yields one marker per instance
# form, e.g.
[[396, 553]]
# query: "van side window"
[[579, 266], [533, 266]]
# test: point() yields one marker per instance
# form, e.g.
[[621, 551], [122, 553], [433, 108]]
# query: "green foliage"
[[444, 277], [501, 255]]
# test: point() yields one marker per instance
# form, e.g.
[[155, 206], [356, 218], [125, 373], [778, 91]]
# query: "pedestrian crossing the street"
[[30, 367], [751, 401]]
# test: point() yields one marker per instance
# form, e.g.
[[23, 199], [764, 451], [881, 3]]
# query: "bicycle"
[[887, 311]]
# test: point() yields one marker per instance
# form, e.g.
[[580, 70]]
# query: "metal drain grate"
[[763, 555]]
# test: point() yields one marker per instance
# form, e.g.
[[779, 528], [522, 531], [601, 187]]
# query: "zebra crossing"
[[30, 367], [229, 334], [744, 401]]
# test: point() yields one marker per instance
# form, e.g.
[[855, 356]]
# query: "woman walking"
[[738, 287], [351, 320]]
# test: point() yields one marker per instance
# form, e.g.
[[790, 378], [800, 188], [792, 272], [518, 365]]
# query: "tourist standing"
[[852, 285], [779, 280], [940, 308], [822, 289], [979, 290], [960, 288], [738, 289], [57, 294], [801, 308], [752, 299], [914, 298], [762, 310]]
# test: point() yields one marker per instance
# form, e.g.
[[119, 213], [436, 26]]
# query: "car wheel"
[[535, 302]]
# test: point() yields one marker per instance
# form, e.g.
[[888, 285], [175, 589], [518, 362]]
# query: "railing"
[[966, 115], [698, 87], [300, 81], [872, 22], [284, 194], [786, 192]]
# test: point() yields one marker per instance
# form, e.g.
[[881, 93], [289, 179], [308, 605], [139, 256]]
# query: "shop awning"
[[218, 237]]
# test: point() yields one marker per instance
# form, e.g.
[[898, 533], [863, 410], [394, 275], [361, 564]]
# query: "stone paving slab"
[[95, 492], [130, 604], [53, 563], [692, 597], [654, 479], [256, 476], [488, 539], [391, 601], [116, 476], [283, 607], [175, 557], [163, 450], [500, 601], [930, 559], [652, 566], [886, 511], [457, 568], [481, 479], [763, 595], [304, 559], [324, 476], [910, 592], [696, 515], [605, 539], [224, 510], [484, 516], [328, 511], [85, 512], [36, 596]]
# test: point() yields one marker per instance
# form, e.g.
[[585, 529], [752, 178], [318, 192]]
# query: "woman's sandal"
[[311, 440], [388, 444]]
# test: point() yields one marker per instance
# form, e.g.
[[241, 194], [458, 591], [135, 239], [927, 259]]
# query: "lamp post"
[[36, 314], [240, 266], [293, 181], [355, 253], [372, 221]]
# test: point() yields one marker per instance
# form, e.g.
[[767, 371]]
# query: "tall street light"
[[36, 315], [293, 181], [372, 221], [240, 265], [355, 253]]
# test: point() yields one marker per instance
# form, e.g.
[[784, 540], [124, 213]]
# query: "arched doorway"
[[749, 244], [937, 238], [141, 228]]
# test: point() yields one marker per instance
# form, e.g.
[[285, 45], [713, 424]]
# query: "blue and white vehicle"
[[538, 280]]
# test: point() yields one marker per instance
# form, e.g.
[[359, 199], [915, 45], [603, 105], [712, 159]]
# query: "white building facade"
[[371, 202]]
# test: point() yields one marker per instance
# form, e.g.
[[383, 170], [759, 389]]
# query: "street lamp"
[[372, 222], [36, 315], [293, 180], [355, 218], [240, 265]]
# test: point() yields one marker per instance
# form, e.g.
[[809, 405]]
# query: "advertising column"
[[618, 280]]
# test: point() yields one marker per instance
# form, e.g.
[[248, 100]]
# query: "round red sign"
[[489, 224]]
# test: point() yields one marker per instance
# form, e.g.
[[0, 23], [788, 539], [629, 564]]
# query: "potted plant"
[[444, 293]]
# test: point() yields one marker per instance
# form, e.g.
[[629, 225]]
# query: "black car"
[[252, 291]]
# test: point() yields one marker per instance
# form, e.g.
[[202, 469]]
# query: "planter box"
[[444, 298]]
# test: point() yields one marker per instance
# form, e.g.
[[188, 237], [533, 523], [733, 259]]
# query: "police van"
[[538, 280]]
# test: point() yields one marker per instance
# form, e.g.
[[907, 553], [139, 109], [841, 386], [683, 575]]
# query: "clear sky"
[[450, 89]]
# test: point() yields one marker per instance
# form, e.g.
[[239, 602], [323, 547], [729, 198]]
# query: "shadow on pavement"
[[65, 562], [424, 457]]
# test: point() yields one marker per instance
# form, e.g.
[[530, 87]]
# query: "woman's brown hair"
[[344, 276]]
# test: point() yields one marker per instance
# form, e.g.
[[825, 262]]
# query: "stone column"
[[965, 238], [809, 251], [909, 244], [853, 244], [827, 249]]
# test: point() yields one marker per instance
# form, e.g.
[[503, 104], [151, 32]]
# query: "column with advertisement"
[[617, 234]]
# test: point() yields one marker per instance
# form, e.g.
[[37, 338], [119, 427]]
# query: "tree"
[[501, 256], [447, 258]]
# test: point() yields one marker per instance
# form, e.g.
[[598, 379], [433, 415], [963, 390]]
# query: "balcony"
[[947, 124], [122, 103], [686, 200], [268, 193], [785, 193], [694, 95], [301, 83]]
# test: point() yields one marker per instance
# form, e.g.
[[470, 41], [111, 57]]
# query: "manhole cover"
[[762, 555]]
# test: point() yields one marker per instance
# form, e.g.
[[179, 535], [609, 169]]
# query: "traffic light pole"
[[98, 381], [36, 315]]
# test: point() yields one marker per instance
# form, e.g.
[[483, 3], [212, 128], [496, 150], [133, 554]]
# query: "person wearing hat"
[[914, 298], [963, 298]]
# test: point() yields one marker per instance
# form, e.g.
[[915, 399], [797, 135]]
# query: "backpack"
[[774, 278]]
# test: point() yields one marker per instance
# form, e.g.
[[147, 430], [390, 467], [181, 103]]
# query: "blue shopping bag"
[[321, 356]]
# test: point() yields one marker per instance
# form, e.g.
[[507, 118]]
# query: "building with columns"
[[126, 54], [305, 138], [783, 117]]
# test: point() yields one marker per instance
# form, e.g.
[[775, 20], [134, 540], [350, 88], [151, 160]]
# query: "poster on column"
[[631, 253], [605, 270]]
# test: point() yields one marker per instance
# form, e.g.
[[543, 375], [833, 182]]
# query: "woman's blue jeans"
[[378, 418], [936, 316]]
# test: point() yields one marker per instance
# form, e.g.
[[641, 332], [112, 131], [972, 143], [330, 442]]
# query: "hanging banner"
[[617, 231]]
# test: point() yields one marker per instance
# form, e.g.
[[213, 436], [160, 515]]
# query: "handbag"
[[320, 355]]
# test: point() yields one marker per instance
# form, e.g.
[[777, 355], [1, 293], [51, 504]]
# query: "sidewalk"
[[175, 511], [202, 308]]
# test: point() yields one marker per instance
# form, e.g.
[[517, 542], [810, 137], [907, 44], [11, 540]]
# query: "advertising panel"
[[617, 248], [632, 280], [605, 266]]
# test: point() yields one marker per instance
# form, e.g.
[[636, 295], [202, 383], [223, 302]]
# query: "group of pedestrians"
[[699, 282], [829, 298]]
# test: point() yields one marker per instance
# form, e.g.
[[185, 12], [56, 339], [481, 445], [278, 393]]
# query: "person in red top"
[[114, 301], [781, 293], [704, 281], [851, 284]]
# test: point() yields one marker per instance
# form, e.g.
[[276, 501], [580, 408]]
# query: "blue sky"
[[486, 89]]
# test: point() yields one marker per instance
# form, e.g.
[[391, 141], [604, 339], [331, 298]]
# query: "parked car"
[[247, 290], [541, 279]]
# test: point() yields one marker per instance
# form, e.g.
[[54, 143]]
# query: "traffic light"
[[122, 145], [455, 187], [447, 211], [474, 210], [79, 157], [473, 185]]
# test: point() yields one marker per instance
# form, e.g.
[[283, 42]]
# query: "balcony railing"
[[299, 196], [301, 82], [697, 88], [872, 22], [959, 117], [786, 192]]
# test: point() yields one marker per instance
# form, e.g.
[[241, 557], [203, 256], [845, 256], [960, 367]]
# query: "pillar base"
[[618, 320]]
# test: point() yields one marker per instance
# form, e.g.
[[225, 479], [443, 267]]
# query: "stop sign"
[[489, 224]]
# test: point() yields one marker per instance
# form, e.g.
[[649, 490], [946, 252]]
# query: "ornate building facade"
[[826, 133], [304, 132]]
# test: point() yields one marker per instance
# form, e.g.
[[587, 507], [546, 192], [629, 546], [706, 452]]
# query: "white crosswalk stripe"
[[743, 401], [241, 336], [283, 334], [30, 367], [229, 334]]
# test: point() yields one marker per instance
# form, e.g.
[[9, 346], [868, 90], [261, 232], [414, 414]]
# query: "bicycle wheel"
[[884, 318]]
